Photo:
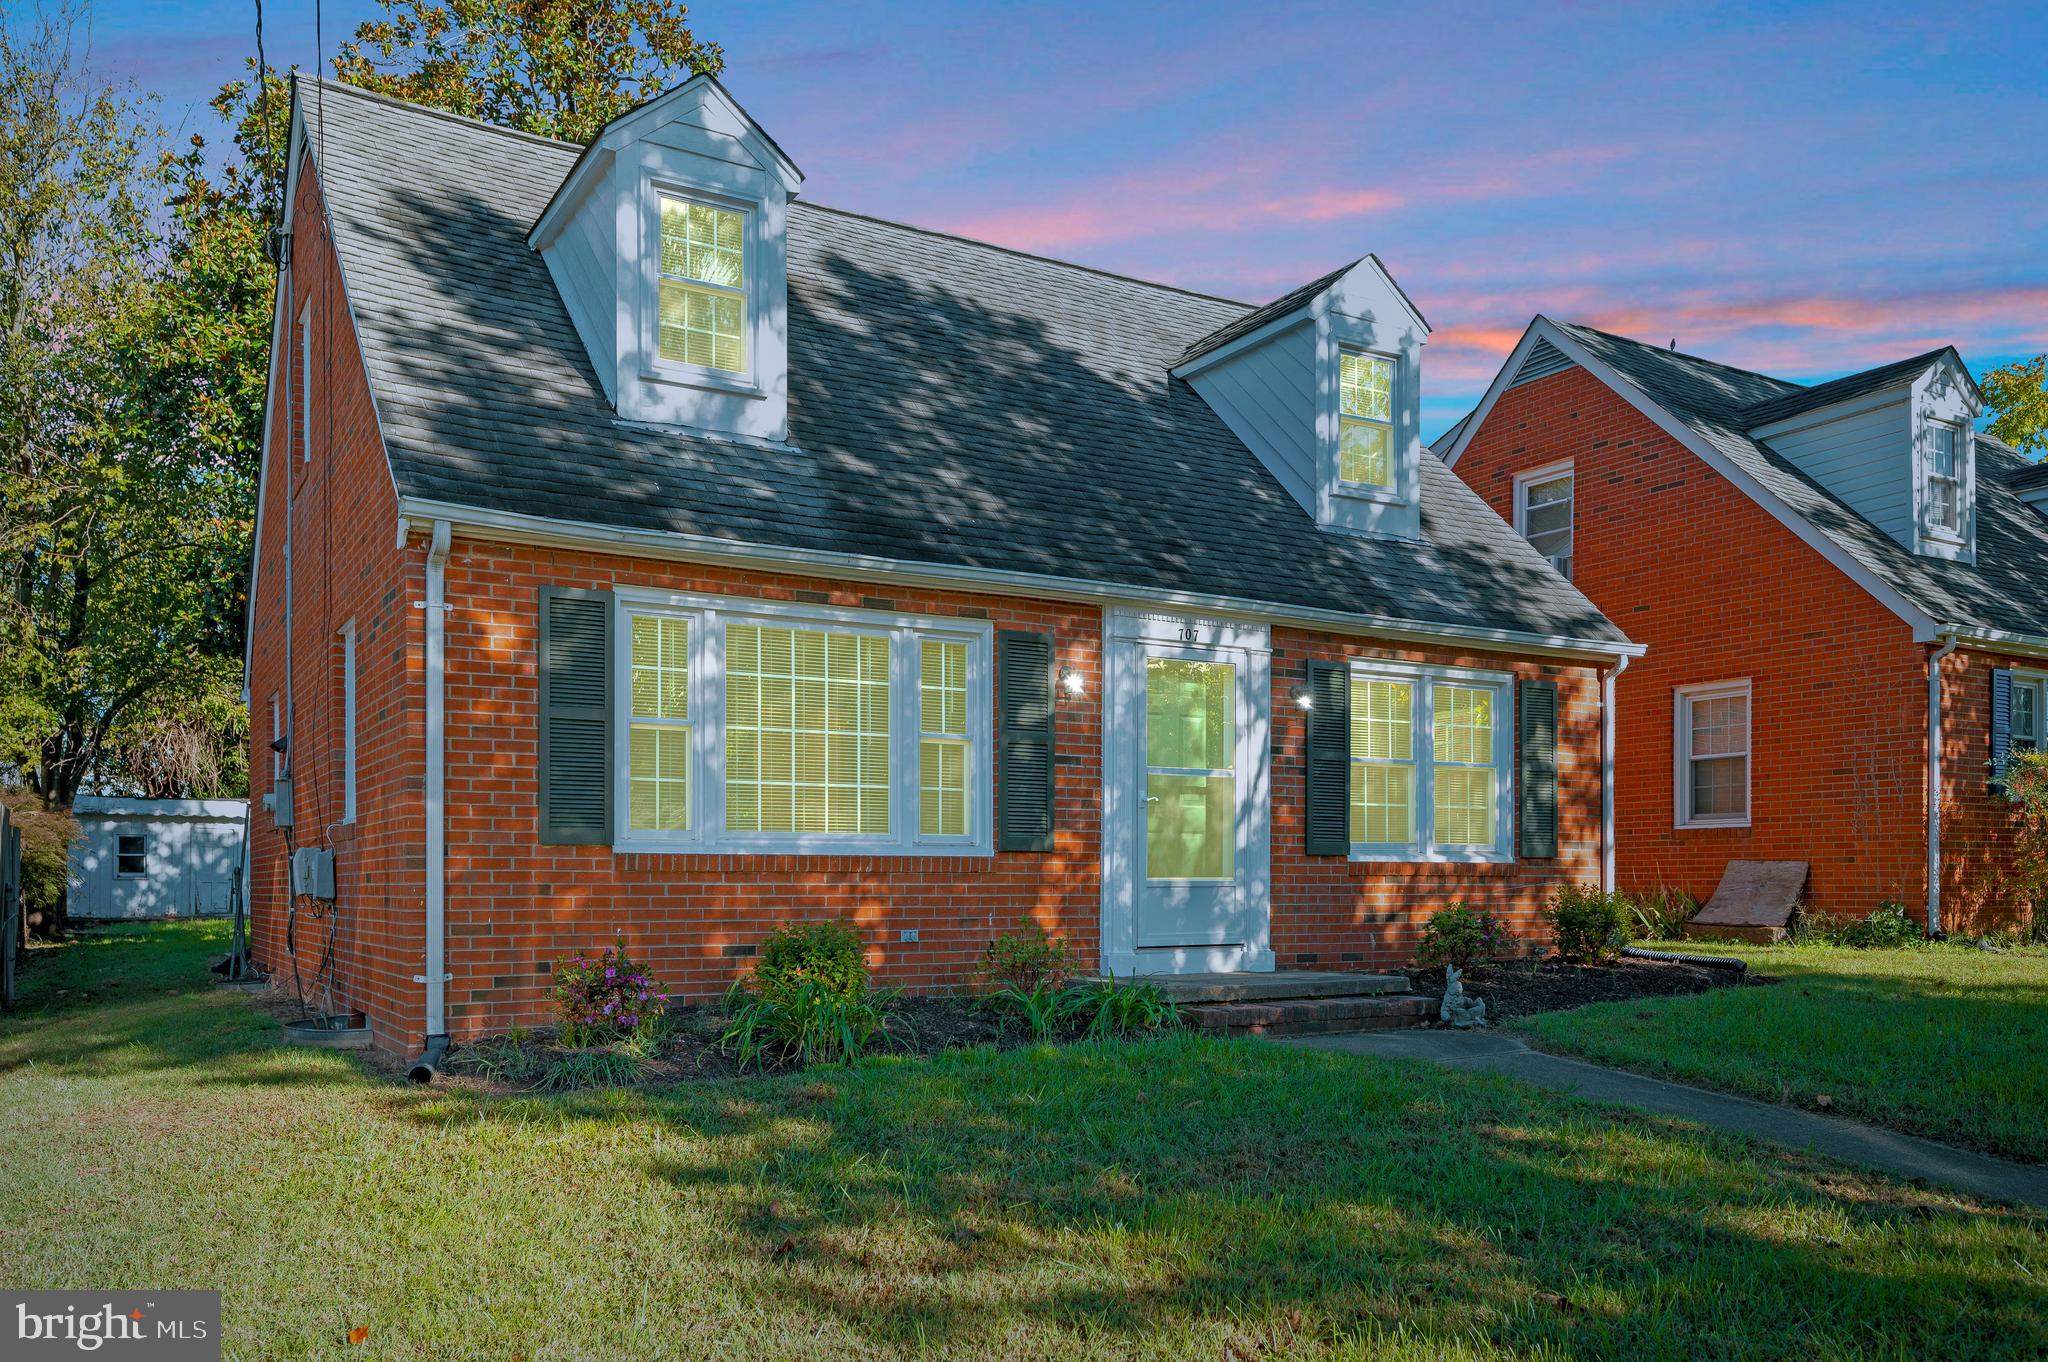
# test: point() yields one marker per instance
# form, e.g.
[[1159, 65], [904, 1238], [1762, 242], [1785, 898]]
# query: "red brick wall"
[[513, 905], [1977, 827], [1719, 590], [346, 565]]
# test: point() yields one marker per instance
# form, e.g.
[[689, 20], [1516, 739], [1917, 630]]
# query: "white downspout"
[[1607, 746], [1934, 781], [437, 837]]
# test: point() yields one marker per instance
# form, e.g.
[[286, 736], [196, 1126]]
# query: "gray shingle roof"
[[951, 403], [2005, 590], [1845, 388]]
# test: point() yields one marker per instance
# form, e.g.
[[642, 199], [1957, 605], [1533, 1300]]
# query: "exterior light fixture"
[[1072, 682], [1302, 698]]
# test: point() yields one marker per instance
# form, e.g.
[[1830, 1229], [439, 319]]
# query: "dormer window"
[[1945, 479], [703, 285], [1365, 421]]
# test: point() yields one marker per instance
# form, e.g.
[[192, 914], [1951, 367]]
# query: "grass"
[[1184, 1198], [1943, 1041]]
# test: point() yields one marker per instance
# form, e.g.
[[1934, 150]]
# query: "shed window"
[[1365, 420], [703, 285], [1713, 724], [131, 854]]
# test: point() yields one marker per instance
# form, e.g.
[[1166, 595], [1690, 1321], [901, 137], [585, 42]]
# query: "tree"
[[2018, 392], [559, 68], [128, 416]]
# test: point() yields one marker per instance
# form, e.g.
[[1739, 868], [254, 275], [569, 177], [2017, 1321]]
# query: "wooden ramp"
[[1755, 902]]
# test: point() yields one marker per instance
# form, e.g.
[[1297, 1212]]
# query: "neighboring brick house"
[[660, 556], [1795, 559]]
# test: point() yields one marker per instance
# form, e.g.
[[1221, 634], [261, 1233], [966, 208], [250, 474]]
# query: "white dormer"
[[668, 242], [1902, 454], [1325, 387]]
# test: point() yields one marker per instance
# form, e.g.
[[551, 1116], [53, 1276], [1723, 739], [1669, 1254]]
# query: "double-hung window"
[[1945, 478], [1543, 514], [2029, 713], [756, 726], [1712, 745], [702, 307], [1365, 419], [1431, 754]]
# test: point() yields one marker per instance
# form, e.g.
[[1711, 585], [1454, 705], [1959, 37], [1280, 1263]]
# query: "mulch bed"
[[1517, 990]]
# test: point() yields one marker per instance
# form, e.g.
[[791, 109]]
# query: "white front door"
[[1186, 805]]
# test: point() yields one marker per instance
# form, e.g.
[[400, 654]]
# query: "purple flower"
[[609, 971], [631, 1021]]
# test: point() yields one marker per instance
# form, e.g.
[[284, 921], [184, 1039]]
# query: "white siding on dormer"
[[1863, 453], [1267, 396], [582, 261]]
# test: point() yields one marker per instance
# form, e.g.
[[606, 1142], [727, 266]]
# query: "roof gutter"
[[1995, 640], [510, 527], [435, 975]]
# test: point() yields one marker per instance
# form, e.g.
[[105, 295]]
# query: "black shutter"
[[2001, 726], [1024, 727], [1538, 774], [575, 717], [1327, 801]]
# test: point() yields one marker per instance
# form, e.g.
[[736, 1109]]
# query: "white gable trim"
[[1924, 625], [594, 164], [1311, 308]]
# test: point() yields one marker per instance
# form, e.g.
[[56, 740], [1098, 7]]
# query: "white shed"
[[154, 858]]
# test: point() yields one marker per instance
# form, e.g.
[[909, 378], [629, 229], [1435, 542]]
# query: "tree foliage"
[[559, 68], [131, 378], [2018, 393]]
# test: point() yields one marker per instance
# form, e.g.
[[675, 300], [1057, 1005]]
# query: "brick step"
[[1310, 1016]]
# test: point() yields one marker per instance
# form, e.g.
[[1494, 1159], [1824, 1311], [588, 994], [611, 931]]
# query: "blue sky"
[[1805, 189]]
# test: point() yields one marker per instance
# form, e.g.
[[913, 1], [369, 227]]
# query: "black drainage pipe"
[[428, 1065], [1675, 958]]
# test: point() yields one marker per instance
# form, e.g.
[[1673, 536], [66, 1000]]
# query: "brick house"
[[644, 551], [1832, 582]]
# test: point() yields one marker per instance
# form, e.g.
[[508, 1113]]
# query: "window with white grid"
[[1365, 419], [806, 730], [1712, 744], [703, 285], [945, 751], [1430, 757], [658, 744]]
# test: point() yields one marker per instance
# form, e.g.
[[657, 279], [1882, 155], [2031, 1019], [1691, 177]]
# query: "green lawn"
[[1182, 1199], [1943, 1041]]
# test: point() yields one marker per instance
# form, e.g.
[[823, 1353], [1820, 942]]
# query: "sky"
[[1802, 189]]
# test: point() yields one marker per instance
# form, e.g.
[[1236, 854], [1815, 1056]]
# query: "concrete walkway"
[[1851, 1142]]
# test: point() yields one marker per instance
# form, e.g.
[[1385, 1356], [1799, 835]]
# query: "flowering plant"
[[605, 998]]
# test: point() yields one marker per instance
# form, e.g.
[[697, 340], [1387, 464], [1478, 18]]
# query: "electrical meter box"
[[313, 873]]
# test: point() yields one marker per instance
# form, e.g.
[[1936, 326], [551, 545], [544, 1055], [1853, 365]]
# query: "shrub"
[[1590, 925], [2024, 874], [1461, 936], [1660, 914], [46, 837], [605, 998], [801, 1019], [1029, 958], [828, 954], [1114, 1009], [1043, 1009], [1886, 928]]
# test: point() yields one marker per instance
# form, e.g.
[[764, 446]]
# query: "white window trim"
[[276, 732], [654, 366], [707, 835], [2037, 682], [1424, 848], [348, 722], [1398, 494], [1928, 477], [306, 382], [1681, 747], [141, 874], [1549, 473]]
